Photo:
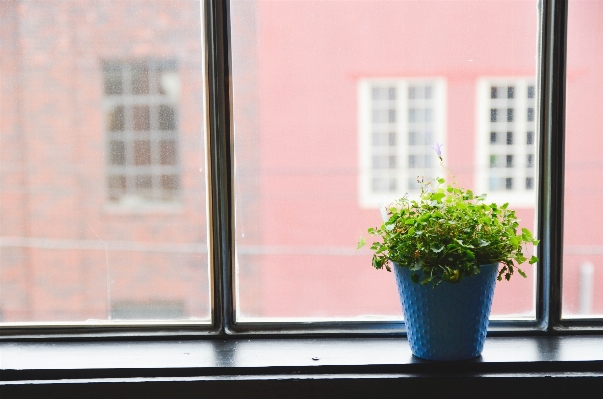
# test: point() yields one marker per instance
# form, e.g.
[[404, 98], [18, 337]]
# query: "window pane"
[[113, 79], [142, 152], [167, 117], [101, 218], [316, 88], [142, 118], [140, 78], [583, 242], [167, 152], [116, 119], [117, 153], [117, 187]]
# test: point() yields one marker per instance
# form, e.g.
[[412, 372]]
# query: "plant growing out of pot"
[[448, 248]]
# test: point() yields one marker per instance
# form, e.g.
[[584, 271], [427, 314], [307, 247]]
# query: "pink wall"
[[311, 57], [583, 237]]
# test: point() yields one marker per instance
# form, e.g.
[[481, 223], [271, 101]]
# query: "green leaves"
[[437, 197], [448, 233], [361, 243]]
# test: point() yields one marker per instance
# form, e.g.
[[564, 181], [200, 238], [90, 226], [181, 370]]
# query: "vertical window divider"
[[553, 44], [219, 161]]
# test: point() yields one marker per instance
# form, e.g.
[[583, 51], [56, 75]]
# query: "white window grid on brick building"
[[141, 125], [399, 122], [506, 140]]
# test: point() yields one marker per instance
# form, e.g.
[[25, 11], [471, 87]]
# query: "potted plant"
[[447, 249]]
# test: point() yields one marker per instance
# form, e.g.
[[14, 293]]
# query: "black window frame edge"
[[552, 43], [218, 13]]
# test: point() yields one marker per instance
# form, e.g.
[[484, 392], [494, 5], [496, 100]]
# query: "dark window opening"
[[509, 138]]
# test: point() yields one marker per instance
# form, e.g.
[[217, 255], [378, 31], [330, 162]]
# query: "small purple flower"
[[428, 188], [438, 149]]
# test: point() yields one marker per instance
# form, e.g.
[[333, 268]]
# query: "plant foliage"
[[448, 233]]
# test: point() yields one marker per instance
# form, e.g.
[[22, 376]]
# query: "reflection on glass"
[[583, 241], [336, 107], [95, 225]]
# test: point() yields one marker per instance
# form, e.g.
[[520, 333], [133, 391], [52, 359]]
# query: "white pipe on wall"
[[587, 282]]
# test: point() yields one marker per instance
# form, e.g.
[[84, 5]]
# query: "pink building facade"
[[313, 59]]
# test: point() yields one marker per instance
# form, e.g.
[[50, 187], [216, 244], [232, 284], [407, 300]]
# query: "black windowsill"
[[530, 367], [286, 357]]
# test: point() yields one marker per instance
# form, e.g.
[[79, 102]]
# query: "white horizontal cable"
[[66, 244], [100, 245]]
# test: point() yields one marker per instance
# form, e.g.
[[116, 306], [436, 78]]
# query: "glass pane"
[[319, 89], [142, 152], [140, 78], [117, 153], [141, 118], [116, 119], [102, 187], [113, 79], [167, 118], [167, 152], [583, 242]]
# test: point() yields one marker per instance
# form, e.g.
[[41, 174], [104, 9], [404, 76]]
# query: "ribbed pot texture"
[[448, 322]]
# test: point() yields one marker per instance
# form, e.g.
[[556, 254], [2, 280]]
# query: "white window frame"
[[519, 196], [367, 197]]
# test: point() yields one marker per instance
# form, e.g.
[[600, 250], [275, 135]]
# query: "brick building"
[[102, 202]]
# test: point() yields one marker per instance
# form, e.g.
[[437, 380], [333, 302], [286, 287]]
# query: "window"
[[42, 246], [400, 122], [103, 218], [331, 119], [506, 126], [294, 164], [141, 99]]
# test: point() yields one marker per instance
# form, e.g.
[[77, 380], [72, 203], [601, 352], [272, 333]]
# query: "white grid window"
[[506, 137], [400, 120], [141, 109]]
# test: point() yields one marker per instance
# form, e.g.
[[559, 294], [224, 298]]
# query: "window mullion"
[[552, 125], [219, 160]]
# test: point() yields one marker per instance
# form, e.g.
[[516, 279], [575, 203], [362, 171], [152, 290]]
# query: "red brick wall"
[[54, 163]]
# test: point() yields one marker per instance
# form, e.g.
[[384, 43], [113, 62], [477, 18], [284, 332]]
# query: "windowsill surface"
[[289, 358]]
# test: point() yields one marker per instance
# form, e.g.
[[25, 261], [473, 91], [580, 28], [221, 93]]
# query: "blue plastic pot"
[[448, 322]]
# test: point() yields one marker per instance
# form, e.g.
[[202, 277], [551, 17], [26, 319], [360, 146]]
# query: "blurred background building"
[[336, 107]]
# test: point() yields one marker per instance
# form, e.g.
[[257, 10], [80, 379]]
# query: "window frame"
[[401, 128], [219, 138], [549, 151], [518, 148]]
